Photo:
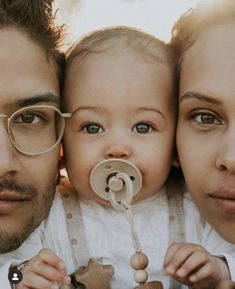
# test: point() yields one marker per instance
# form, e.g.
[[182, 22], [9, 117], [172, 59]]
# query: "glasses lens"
[[35, 130]]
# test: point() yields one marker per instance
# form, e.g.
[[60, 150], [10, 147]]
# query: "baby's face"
[[206, 129], [122, 107]]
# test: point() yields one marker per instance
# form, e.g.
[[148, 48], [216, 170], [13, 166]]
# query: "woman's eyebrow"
[[36, 99], [199, 96]]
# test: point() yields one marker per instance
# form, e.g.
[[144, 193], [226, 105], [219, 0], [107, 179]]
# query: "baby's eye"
[[206, 118], [142, 127], [92, 128]]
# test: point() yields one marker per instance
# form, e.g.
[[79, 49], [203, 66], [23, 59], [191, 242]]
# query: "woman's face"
[[206, 128]]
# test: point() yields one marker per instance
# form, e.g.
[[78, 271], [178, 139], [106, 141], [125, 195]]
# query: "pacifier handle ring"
[[120, 206], [107, 170]]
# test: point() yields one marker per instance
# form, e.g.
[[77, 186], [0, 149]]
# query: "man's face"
[[206, 128], [27, 183]]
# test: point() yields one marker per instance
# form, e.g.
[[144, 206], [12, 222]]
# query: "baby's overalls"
[[76, 231]]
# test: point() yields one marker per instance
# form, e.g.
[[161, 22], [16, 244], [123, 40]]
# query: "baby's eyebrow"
[[199, 96], [152, 109], [93, 108]]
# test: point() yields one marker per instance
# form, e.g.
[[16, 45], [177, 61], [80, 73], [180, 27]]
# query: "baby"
[[120, 89]]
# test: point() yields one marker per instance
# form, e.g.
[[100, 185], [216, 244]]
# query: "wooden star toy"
[[94, 275]]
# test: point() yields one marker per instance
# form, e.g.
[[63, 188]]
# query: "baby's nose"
[[118, 151]]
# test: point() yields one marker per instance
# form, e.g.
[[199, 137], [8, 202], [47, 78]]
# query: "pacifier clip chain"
[[139, 261]]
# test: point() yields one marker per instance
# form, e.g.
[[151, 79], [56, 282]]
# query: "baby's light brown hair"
[[110, 38]]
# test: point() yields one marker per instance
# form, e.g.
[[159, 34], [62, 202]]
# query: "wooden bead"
[[139, 261], [140, 276]]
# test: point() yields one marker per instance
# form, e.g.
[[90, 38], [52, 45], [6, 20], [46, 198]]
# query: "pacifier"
[[117, 181]]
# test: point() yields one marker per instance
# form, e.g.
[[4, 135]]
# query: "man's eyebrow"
[[36, 99], [199, 96]]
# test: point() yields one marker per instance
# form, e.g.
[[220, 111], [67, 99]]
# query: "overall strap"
[[75, 228], [176, 222]]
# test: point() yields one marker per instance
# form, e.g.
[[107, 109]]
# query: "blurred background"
[[153, 16]]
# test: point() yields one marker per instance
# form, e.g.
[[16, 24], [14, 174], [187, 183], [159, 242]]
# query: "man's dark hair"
[[35, 18]]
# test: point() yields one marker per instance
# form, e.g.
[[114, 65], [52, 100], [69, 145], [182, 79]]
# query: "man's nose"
[[226, 152], [8, 161]]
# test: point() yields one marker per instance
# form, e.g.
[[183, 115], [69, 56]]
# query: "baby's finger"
[[48, 272], [206, 271], [193, 262], [170, 252], [182, 253], [33, 281], [47, 256]]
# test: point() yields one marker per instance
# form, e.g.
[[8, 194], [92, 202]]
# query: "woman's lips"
[[224, 199], [10, 201]]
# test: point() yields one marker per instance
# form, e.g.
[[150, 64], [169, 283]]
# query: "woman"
[[204, 40]]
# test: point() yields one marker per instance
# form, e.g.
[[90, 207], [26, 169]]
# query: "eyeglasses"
[[37, 129]]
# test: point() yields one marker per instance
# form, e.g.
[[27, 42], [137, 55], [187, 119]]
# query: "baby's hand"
[[192, 265], [44, 271], [225, 285]]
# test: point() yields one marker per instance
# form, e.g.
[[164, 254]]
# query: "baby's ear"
[[176, 162], [61, 159]]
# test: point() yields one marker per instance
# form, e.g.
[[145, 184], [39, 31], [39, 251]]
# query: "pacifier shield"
[[104, 170]]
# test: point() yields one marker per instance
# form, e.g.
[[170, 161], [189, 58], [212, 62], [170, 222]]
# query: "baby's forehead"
[[156, 56]]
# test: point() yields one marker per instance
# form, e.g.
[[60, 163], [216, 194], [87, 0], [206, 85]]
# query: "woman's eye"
[[206, 119], [92, 128], [143, 128]]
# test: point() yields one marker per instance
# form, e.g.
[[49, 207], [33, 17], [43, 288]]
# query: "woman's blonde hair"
[[189, 26]]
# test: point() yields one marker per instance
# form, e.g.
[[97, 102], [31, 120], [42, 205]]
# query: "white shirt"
[[109, 241]]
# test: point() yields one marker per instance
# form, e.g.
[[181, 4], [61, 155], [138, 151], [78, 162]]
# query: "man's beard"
[[10, 241]]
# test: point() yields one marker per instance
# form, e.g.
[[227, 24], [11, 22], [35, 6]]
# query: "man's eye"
[[206, 118], [28, 118], [92, 128], [143, 128]]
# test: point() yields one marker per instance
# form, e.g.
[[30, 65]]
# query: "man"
[[29, 138]]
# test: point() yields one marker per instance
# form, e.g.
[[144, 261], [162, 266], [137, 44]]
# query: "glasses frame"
[[9, 119]]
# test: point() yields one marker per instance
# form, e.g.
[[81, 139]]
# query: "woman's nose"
[[226, 153]]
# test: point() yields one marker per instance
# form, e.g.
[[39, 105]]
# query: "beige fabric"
[[176, 219], [75, 227]]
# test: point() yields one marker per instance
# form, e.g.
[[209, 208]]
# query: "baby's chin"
[[93, 198]]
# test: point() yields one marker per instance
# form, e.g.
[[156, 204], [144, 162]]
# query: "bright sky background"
[[153, 16]]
